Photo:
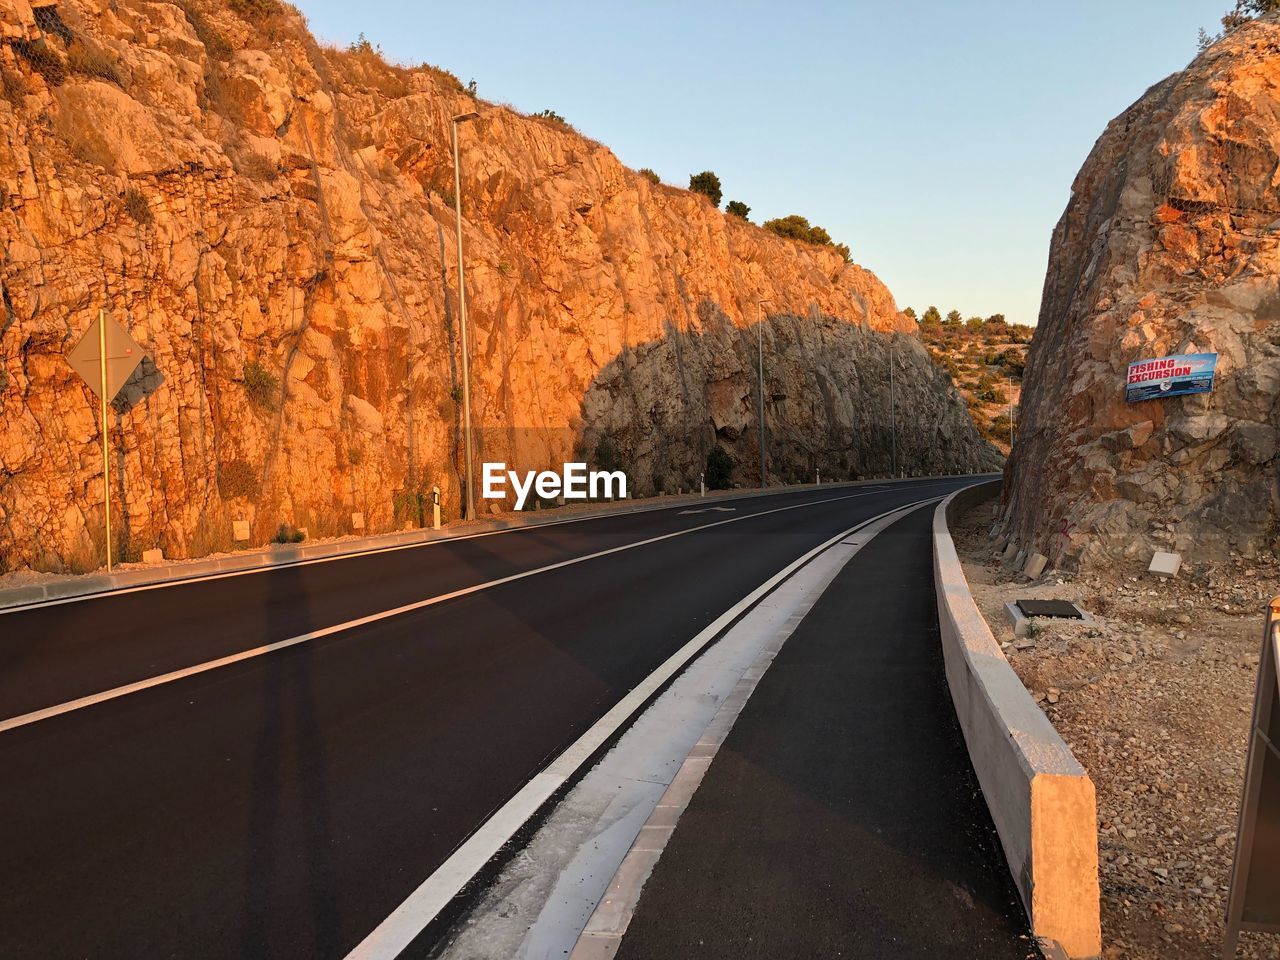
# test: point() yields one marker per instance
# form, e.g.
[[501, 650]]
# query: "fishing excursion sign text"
[[1174, 376]]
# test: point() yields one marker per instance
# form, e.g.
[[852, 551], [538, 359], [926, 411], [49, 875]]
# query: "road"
[[284, 804], [847, 769]]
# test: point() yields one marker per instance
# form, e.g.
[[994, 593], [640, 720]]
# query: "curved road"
[[282, 805]]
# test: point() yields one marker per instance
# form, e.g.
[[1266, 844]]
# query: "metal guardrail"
[[1254, 901]]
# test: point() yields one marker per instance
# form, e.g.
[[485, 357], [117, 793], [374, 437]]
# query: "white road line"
[[116, 692], [268, 567], [398, 930]]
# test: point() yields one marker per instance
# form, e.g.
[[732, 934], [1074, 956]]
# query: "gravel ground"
[[1155, 700]]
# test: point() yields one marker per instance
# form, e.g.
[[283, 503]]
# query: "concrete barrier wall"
[[1041, 799]]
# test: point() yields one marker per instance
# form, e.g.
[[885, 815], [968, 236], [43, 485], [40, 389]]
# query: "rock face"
[[1170, 244], [272, 221]]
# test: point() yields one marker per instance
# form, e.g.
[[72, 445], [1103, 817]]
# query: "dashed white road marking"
[[125, 690]]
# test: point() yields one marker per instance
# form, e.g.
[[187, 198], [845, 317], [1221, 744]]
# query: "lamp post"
[[469, 508], [1011, 413], [764, 480], [893, 411]]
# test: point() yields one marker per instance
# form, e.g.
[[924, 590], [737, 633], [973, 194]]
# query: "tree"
[[911, 314], [650, 176], [737, 208], [931, 318], [954, 319], [974, 323], [996, 319], [1237, 17], [707, 184]]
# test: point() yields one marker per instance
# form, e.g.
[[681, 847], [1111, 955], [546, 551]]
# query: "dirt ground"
[[1155, 700]]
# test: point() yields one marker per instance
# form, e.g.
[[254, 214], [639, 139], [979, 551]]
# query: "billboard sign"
[[1174, 376]]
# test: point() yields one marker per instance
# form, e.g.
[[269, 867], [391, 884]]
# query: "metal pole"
[[893, 413], [1011, 413], [764, 481], [106, 458], [470, 510]]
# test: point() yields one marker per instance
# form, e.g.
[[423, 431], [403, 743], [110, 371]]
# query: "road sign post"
[[105, 358], [1254, 902]]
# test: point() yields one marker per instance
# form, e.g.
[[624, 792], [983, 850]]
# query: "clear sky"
[[938, 139]]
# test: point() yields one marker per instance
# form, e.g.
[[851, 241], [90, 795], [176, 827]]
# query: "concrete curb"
[[1040, 798], [262, 558]]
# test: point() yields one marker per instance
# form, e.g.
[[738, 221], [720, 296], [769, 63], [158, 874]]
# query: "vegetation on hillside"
[[985, 356], [1236, 17], [798, 228], [707, 184]]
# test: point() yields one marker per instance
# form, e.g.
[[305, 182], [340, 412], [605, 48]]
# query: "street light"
[[764, 480], [470, 508], [893, 409]]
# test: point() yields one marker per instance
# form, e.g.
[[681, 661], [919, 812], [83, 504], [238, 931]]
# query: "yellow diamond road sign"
[[123, 357]]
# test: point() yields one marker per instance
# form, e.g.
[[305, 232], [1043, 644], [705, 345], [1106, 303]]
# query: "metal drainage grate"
[[1063, 609]]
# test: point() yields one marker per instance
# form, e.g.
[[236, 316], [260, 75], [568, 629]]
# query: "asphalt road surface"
[[841, 816], [285, 804]]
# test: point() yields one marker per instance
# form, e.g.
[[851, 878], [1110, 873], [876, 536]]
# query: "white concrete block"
[[1165, 564], [240, 530], [152, 556], [357, 521], [1035, 565]]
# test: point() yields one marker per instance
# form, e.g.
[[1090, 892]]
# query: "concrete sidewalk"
[[841, 816]]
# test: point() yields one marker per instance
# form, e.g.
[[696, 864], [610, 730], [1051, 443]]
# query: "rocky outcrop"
[[1170, 244], [272, 221]]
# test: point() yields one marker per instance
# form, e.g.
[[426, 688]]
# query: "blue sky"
[[939, 140]]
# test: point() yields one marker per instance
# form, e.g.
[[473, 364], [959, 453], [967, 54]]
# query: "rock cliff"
[[272, 221], [1170, 244]]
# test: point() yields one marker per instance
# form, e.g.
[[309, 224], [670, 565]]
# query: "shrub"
[[796, 227], [737, 208], [650, 176], [238, 480], [135, 204], [1013, 362], [260, 384], [707, 184], [255, 166], [288, 534], [719, 470], [550, 115]]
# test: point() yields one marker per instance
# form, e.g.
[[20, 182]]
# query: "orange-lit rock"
[[1170, 244], [273, 222]]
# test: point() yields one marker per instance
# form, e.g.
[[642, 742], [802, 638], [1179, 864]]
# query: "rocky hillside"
[[272, 221], [1170, 244], [985, 358]]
